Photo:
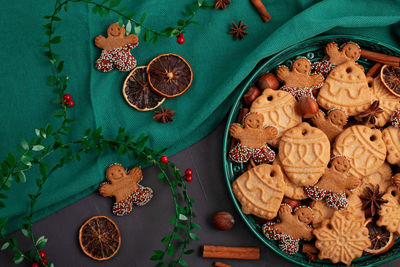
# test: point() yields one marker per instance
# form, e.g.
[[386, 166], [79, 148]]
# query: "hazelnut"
[[223, 220], [293, 203], [268, 80], [308, 107], [251, 95]]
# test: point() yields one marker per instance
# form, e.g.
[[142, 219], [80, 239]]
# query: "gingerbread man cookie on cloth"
[[125, 187], [253, 138], [291, 228], [299, 81], [116, 49]]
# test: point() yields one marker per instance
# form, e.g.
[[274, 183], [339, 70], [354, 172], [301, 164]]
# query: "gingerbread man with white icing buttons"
[[125, 187]]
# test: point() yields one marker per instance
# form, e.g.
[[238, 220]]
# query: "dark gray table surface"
[[142, 230]]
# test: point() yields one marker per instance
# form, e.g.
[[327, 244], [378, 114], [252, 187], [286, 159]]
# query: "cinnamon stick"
[[221, 264], [381, 58], [374, 70], [242, 113], [261, 10], [241, 253]]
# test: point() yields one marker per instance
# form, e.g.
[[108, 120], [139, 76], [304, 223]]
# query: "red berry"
[[189, 172], [189, 178], [45, 262], [67, 97], [71, 103], [35, 264], [42, 254], [180, 40], [164, 159]]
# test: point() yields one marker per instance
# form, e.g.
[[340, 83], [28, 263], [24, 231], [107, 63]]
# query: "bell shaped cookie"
[[346, 88]]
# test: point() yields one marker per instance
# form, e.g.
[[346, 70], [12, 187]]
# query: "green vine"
[[48, 141]]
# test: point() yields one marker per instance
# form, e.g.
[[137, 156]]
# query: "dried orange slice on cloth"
[[170, 75], [137, 91], [390, 77], [100, 238], [381, 239]]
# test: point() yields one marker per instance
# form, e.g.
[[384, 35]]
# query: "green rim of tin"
[[306, 48]]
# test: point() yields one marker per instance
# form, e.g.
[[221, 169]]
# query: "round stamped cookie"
[[346, 88], [380, 177], [387, 101], [291, 190], [260, 190], [304, 152], [279, 109], [364, 147], [391, 137]]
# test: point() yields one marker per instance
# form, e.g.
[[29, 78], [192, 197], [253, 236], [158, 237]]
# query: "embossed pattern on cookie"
[[364, 147], [260, 190], [304, 152], [346, 88], [391, 137], [279, 109]]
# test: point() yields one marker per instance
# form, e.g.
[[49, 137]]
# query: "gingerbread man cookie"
[[291, 228], [332, 125], [116, 49], [125, 187], [333, 184], [253, 139], [348, 52], [299, 82]]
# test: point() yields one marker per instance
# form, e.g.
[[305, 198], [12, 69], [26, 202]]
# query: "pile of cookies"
[[321, 145]]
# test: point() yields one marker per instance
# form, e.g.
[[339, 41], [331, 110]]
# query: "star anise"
[[238, 30], [165, 115], [222, 3], [370, 115], [372, 199]]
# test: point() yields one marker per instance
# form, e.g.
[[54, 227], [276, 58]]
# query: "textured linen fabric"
[[219, 65]]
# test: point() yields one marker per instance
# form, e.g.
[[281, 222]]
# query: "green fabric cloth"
[[218, 62]]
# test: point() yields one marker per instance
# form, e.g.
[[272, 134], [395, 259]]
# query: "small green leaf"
[[18, 258], [137, 29], [25, 232], [170, 250], [37, 147], [181, 22], [166, 239], [37, 132], [56, 40], [173, 219], [190, 251], [195, 226], [193, 236], [143, 18], [5, 246], [26, 159], [114, 3], [182, 262], [2, 205], [24, 144], [120, 21], [175, 235], [182, 217], [128, 27], [3, 196], [55, 18], [21, 177], [60, 67], [208, 4], [51, 265], [200, 2], [160, 175], [160, 264]]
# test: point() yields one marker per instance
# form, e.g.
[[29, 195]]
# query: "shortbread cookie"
[[290, 228], [390, 212], [346, 88], [252, 138], [304, 152], [380, 177], [292, 190], [391, 137], [260, 190], [341, 239], [279, 109], [387, 101], [364, 147]]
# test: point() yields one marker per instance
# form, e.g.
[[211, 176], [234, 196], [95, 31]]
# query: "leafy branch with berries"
[[51, 141]]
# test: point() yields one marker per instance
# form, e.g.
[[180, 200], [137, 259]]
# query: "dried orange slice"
[[170, 75], [381, 239], [100, 238], [390, 77], [137, 91]]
